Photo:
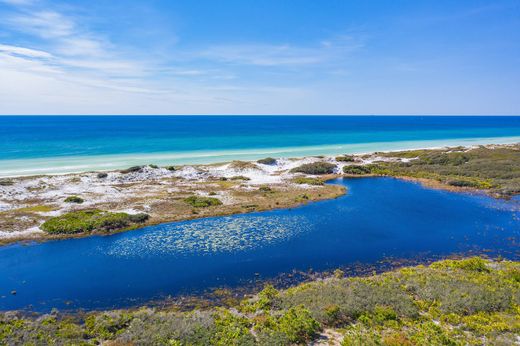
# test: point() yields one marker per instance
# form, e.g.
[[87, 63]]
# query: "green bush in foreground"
[[315, 168], [90, 221], [74, 199], [202, 202], [454, 302]]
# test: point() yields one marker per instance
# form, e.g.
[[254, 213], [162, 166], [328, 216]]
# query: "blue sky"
[[260, 57]]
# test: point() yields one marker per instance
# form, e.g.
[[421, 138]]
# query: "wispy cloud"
[[284, 55], [21, 51]]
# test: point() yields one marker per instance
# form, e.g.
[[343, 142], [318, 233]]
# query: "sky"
[[260, 57]]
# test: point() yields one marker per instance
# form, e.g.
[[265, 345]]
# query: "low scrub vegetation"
[[345, 158], [454, 302], [315, 168], [494, 169], [74, 199], [202, 202], [91, 221]]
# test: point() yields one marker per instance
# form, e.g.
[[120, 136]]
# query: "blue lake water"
[[379, 217], [46, 144]]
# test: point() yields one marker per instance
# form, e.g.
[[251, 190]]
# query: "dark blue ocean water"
[[45, 144], [379, 217]]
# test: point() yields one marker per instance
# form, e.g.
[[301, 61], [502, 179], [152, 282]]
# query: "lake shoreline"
[[456, 320], [240, 184]]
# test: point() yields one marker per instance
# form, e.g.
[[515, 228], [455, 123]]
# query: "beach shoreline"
[[14, 168]]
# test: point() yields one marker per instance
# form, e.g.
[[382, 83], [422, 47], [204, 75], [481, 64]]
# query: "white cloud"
[[45, 24], [14, 50]]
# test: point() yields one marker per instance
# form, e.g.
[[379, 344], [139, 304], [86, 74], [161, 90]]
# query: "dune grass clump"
[[102, 175], [85, 221], [267, 161], [132, 169], [239, 177], [74, 199], [202, 202], [308, 181], [315, 168], [242, 165]]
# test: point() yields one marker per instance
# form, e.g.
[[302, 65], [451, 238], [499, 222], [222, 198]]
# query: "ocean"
[[63, 144]]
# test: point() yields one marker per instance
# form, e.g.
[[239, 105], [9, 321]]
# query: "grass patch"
[[36, 209], [202, 202], [308, 181]]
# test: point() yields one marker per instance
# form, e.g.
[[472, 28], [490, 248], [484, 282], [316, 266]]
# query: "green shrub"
[[308, 181], [107, 326], [266, 298], [315, 168], [89, 221], [131, 169], [74, 199], [356, 170], [231, 330], [265, 189], [6, 182], [298, 324], [473, 264], [202, 202], [170, 168], [138, 218], [345, 158], [153, 166], [267, 161], [239, 177], [358, 335], [102, 175]]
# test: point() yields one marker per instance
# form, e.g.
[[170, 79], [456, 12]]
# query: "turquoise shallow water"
[[377, 219], [45, 145]]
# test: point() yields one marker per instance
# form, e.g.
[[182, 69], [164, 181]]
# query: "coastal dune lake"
[[378, 218]]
